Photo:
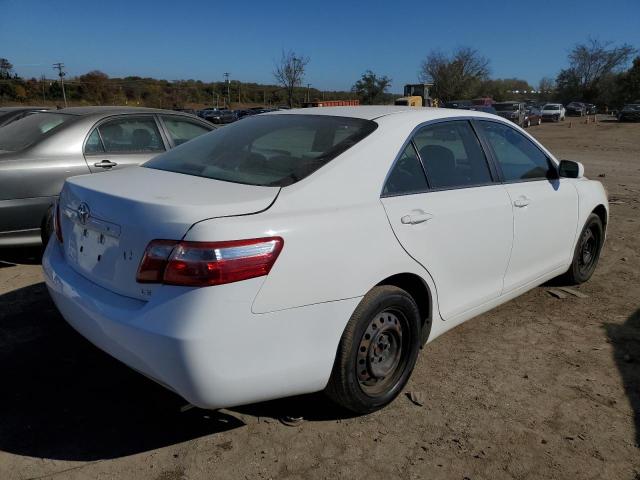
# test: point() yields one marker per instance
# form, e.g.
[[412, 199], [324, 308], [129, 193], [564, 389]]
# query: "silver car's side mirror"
[[571, 169]]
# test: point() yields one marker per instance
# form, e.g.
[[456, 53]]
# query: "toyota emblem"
[[83, 213]]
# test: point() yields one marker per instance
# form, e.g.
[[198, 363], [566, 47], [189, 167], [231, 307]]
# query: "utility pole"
[[59, 66], [308, 92], [226, 79], [44, 98]]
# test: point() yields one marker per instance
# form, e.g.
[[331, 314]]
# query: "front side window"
[[267, 150], [452, 155], [407, 175], [518, 157], [182, 131], [131, 135]]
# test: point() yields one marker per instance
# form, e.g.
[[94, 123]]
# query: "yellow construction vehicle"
[[416, 95]]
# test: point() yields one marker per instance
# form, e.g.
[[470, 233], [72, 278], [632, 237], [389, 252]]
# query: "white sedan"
[[316, 249]]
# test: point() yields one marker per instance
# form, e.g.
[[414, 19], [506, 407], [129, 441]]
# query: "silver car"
[[38, 152]]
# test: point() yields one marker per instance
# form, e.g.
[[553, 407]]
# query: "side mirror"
[[571, 169]]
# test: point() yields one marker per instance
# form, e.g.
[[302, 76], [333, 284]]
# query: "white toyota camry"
[[315, 249]]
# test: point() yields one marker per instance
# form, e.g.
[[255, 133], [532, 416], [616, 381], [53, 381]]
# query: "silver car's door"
[[456, 221], [123, 141]]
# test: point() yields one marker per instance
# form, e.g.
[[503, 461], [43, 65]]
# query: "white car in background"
[[554, 112], [316, 249]]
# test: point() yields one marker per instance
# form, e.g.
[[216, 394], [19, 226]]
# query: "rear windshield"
[[29, 130], [551, 107], [266, 150]]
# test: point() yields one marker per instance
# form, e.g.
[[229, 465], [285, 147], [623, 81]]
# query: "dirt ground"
[[541, 387]]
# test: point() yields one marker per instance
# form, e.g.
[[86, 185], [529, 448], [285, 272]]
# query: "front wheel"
[[377, 351], [587, 251]]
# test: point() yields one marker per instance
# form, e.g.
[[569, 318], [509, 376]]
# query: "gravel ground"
[[541, 387]]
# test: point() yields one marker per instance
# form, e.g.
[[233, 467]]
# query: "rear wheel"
[[377, 351], [527, 123], [539, 121], [587, 251], [46, 227]]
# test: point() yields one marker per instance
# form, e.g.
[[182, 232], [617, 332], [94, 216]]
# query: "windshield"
[[29, 130], [266, 150], [502, 107], [575, 105], [551, 107]]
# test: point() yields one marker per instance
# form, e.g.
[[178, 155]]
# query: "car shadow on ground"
[[62, 398], [625, 339], [10, 257]]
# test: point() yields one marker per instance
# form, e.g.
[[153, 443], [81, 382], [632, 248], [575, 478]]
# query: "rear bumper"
[[204, 343]]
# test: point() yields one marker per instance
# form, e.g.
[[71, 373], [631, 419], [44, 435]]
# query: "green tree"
[[5, 68], [371, 89], [629, 83], [455, 76]]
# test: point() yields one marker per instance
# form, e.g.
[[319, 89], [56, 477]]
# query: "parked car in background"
[[217, 116], [243, 113], [630, 113], [591, 109], [514, 111], [483, 108], [576, 109], [553, 112], [38, 152], [11, 114], [458, 104], [224, 271], [532, 116]]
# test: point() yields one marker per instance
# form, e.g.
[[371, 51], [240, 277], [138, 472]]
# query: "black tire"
[[46, 227], [377, 351], [527, 123], [587, 251]]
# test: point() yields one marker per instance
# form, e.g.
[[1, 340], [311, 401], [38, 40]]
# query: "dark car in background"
[[532, 116], [458, 104], [514, 111], [576, 109], [11, 114], [218, 116], [40, 151], [483, 108], [630, 113]]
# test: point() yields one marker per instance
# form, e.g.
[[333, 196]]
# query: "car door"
[[545, 207], [180, 129], [450, 215], [123, 141]]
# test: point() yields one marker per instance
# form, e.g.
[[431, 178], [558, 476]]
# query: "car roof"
[[82, 111], [372, 112]]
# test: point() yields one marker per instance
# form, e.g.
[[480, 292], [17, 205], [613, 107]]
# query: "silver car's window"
[[94, 143], [518, 157], [452, 155], [269, 150], [29, 130], [182, 131], [131, 135]]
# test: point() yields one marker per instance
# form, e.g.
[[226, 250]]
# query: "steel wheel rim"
[[589, 246], [382, 352]]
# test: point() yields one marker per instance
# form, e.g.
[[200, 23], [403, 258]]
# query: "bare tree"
[[456, 76], [591, 61], [289, 72]]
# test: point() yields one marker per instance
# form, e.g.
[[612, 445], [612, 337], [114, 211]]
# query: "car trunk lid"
[[108, 219]]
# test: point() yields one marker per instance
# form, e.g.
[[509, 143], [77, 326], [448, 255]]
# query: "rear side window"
[[519, 158], [182, 131], [127, 135], [268, 150], [407, 175], [452, 155]]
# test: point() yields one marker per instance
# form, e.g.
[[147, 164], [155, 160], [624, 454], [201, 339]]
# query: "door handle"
[[415, 218], [105, 164], [521, 202]]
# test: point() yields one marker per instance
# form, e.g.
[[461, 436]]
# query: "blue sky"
[[203, 39]]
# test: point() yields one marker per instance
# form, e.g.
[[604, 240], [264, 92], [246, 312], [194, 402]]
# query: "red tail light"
[[208, 263], [56, 222]]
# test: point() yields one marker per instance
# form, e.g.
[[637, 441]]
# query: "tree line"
[[596, 72]]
